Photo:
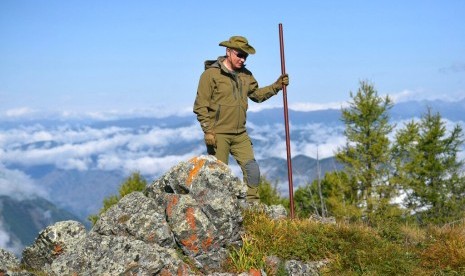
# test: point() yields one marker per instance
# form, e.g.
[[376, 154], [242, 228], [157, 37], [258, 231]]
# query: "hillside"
[[22, 220]]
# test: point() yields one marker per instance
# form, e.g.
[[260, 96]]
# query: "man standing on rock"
[[221, 106]]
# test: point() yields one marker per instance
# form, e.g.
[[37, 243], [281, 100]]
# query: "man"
[[221, 105]]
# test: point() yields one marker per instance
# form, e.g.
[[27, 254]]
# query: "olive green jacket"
[[221, 102]]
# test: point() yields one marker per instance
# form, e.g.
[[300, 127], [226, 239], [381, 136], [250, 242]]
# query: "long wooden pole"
[[286, 123]]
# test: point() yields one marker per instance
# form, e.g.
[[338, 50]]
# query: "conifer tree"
[[269, 194], [336, 192], [428, 170], [366, 153]]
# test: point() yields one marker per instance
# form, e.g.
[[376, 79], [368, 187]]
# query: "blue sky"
[[121, 56]]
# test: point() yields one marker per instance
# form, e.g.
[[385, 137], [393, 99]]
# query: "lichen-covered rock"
[[52, 242], [323, 220], [118, 255], [202, 207], [7, 261], [195, 233], [137, 216], [191, 213], [195, 175], [276, 211], [298, 268]]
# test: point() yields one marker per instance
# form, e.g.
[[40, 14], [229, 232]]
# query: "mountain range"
[[22, 219]]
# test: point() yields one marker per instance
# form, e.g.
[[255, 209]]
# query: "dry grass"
[[445, 250], [353, 249]]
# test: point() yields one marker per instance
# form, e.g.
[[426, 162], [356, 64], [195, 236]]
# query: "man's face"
[[237, 58]]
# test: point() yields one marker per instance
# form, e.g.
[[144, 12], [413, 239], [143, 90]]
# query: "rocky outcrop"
[[201, 199], [7, 261], [51, 242], [181, 225]]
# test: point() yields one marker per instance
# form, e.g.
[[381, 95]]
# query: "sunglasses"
[[240, 54]]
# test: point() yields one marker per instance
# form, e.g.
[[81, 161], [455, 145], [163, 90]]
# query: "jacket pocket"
[[217, 116]]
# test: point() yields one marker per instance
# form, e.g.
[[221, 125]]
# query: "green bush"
[[135, 182]]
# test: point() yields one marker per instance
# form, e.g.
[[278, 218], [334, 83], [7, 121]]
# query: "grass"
[[352, 249]]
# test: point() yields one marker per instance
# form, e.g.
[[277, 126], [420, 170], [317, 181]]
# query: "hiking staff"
[[286, 124]]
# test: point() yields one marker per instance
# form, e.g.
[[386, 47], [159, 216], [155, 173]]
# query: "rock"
[[53, 241], [118, 255], [296, 268], [7, 261], [272, 263], [201, 198], [324, 220], [194, 232], [190, 214], [276, 211], [137, 216]]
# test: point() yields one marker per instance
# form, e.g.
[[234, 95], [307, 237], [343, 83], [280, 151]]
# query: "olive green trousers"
[[241, 148]]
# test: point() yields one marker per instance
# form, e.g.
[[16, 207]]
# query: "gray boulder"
[[201, 199], [7, 261], [118, 255], [190, 214], [52, 241], [139, 217], [297, 268]]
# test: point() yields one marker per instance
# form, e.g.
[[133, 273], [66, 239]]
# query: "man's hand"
[[282, 80], [210, 138]]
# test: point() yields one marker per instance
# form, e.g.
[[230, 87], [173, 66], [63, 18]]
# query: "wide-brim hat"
[[239, 43]]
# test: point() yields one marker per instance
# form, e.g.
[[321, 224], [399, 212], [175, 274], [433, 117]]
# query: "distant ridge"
[[24, 219]]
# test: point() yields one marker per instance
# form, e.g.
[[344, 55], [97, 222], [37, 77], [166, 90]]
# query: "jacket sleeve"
[[202, 101], [259, 95]]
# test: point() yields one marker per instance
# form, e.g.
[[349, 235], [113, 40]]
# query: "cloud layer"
[[150, 150]]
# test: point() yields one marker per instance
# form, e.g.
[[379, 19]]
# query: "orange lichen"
[[151, 237], [190, 243], [198, 164], [169, 207], [57, 250], [165, 272], [254, 272], [190, 217], [207, 242], [183, 270]]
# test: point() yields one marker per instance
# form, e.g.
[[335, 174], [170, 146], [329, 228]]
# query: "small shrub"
[[445, 250], [135, 182]]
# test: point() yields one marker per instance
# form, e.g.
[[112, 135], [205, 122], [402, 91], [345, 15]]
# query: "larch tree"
[[428, 170], [366, 153]]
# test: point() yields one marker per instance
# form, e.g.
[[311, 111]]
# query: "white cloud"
[[300, 106], [150, 150], [317, 106], [19, 112], [6, 242], [18, 185], [27, 113], [421, 94], [404, 96], [305, 139]]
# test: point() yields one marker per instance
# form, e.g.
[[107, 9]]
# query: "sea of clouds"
[[152, 149]]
